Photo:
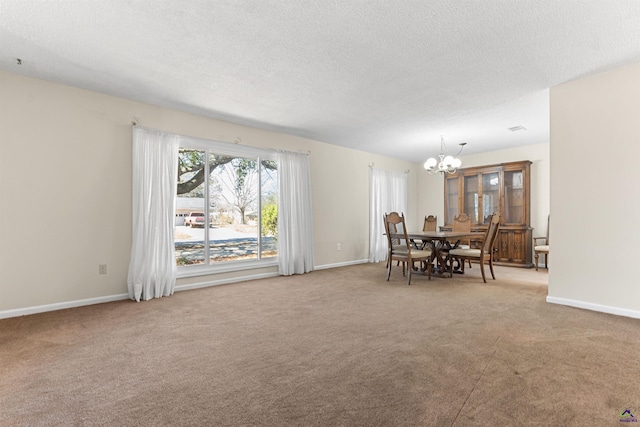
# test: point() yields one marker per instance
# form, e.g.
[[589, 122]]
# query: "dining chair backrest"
[[394, 223], [462, 223], [492, 233], [391, 228], [430, 223]]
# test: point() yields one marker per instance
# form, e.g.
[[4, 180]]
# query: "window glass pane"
[[190, 220], [471, 198], [233, 195], [490, 196], [513, 197], [269, 224], [452, 200], [221, 201]]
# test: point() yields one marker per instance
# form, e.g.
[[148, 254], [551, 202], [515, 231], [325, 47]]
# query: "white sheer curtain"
[[152, 268], [388, 194], [295, 222]]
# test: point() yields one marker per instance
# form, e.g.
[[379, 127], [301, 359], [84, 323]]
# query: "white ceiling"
[[382, 76]]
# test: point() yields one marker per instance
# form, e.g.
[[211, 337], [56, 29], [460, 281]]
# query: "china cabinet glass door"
[[513, 197], [452, 199], [490, 195], [471, 202]]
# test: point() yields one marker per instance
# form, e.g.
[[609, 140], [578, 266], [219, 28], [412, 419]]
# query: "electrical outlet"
[[339, 247], [102, 269]]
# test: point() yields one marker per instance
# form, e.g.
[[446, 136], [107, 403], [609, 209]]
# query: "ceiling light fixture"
[[448, 164]]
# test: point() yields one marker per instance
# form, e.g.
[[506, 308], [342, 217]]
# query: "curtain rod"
[[238, 140], [308, 153]]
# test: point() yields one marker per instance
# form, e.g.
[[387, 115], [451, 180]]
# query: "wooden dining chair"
[[430, 223], [462, 223], [542, 248], [404, 252], [485, 253], [393, 242]]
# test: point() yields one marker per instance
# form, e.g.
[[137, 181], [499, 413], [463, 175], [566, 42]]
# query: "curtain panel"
[[295, 221], [388, 193], [152, 268]]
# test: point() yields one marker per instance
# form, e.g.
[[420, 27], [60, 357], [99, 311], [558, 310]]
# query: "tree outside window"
[[239, 203]]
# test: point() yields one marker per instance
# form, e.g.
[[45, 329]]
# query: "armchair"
[[403, 252], [485, 253]]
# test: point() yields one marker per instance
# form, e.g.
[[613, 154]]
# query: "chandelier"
[[447, 164]]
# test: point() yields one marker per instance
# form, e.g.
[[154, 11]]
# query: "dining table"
[[440, 243]]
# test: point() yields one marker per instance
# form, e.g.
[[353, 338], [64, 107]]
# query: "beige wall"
[[431, 200], [65, 191], [595, 147], [65, 185]]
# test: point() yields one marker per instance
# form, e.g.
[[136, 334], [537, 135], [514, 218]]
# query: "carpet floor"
[[337, 347]]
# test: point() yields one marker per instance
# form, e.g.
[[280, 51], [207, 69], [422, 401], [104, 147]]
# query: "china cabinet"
[[504, 188]]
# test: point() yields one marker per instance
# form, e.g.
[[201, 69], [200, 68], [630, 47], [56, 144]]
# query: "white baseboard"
[[595, 307], [60, 306], [340, 264], [99, 300], [5, 314]]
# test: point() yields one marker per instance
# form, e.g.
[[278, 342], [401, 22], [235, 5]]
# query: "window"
[[228, 196]]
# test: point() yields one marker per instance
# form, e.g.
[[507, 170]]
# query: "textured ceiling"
[[383, 76]]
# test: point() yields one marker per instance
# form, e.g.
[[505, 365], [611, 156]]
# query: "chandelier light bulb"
[[430, 163], [447, 164]]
